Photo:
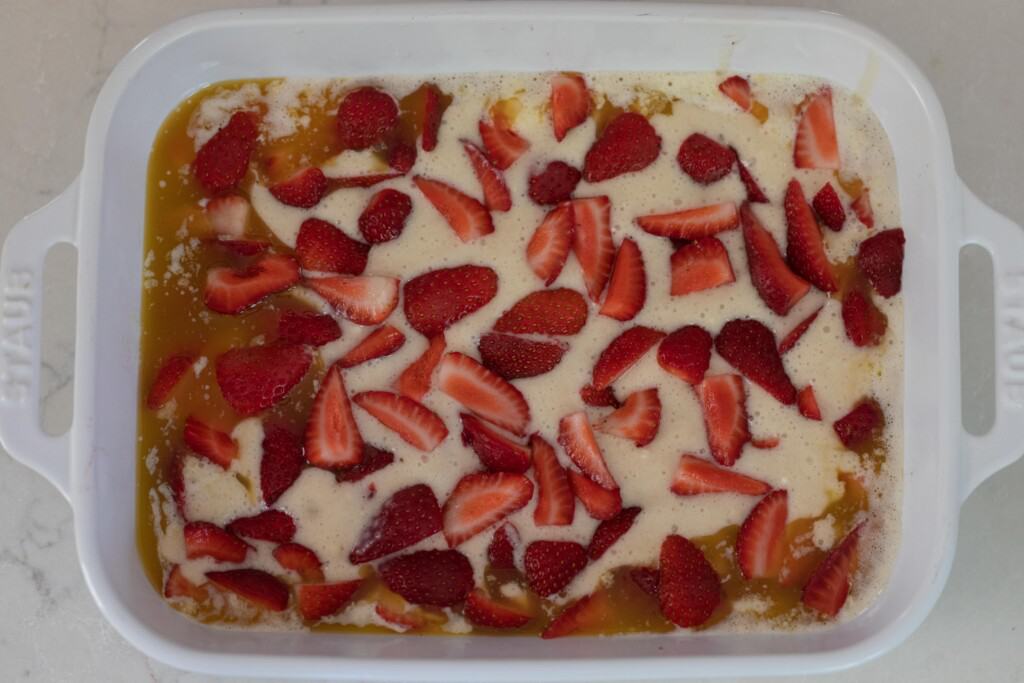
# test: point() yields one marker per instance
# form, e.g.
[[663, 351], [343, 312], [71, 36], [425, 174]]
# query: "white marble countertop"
[[58, 55]]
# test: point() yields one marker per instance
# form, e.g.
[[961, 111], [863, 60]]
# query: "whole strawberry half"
[[549, 311], [282, 462], [439, 578], [323, 247], [439, 298], [385, 215], [514, 357], [689, 589], [552, 565], [255, 378], [407, 517], [880, 258], [686, 353], [307, 327], [749, 346], [554, 184], [223, 160], [704, 160], [628, 144], [365, 116]]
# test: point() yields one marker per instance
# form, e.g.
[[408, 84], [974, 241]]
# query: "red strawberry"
[[592, 242], [829, 585], [434, 104], [647, 578], [365, 116], [737, 89], [323, 247], [254, 378], [438, 299], [749, 347], [383, 341], [755, 195], [294, 327], [627, 289], [374, 459], [816, 145], [384, 217], [301, 560], [170, 372], [362, 180], [865, 324], [880, 258], [319, 600], [861, 425], [549, 311], [599, 502], [577, 438], [622, 353], [725, 416], [177, 586], [212, 444], [406, 518], [807, 404], [305, 189], [829, 207], [761, 540], [696, 476], [765, 443], [483, 392], [599, 398], [203, 539], [230, 291], [253, 585], [686, 353], [270, 525], [699, 265], [466, 216], [570, 103], [281, 464], [704, 160], [776, 284], [363, 299], [415, 380], [555, 184], [440, 578], [689, 589], [496, 451], [228, 215], [790, 340], [483, 611], [415, 423], [175, 477], [586, 614], [628, 144], [861, 207], [549, 246], [401, 156], [556, 503], [332, 436], [481, 500], [496, 194], [611, 530], [515, 357], [501, 549], [241, 247], [503, 144], [690, 224], [552, 565], [410, 619], [805, 250], [223, 160], [638, 418]]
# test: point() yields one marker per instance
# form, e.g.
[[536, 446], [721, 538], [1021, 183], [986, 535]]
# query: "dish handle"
[[21, 287], [986, 454]]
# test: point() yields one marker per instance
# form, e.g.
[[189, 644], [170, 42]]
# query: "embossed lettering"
[[17, 336]]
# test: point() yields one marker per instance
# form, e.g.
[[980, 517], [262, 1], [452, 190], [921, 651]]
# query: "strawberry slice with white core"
[[301, 560], [178, 586], [699, 265], [549, 247], [570, 103], [383, 341], [592, 242], [690, 224], [230, 291], [586, 614], [416, 379], [203, 539], [253, 585], [480, 501], [696, 476], [363, 299], [496, 194], [829, 585], [861, 207], [467, 217], [805, 248], [725, 416], [212, 444], [627, 289], [599, 502], [503, 144], [577, 438], [496, 451], [778, 286], [319, 600], [415, 423], [332, 436], [556, 503], [807, 403], [483, 392], [816, 145], [737, 89], [637, 420], [622, 353], [483, 611], [228, 215], [761, 540]]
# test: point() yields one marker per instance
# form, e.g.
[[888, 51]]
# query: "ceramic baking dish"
[[101, 213]]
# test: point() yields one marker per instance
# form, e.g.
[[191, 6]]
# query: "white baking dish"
[[102, 214]]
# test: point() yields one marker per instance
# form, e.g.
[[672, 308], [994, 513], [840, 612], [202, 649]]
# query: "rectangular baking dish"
[[101, 213]]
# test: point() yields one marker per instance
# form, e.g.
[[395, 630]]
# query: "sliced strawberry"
[[434, 104], [241, 247], [552, 565], [305, 189], [696, 476], [880, 258], [622, 353], [549, 246], [314, 329], [254, 378], [374, 460], [861, 425], [230, 291], [212, 444], [627, 289], [548, 311], [805, 249], [501, 549], [496, 451], [570, 103], [628, 144], [761, 540], [749, 346], [829, 207], [699, 265], [637, 420], [514, 357], [556, 503], [415, 380], [816, 145], [599, 398], [483, 611], [865, 324], [689, 589], [481, 500], [415, 423], [203, 539], [577, 438], [466, 216], [829, 585], [320, 600], [586, 614], [365, 116], [323, 247], [177, 586], [686, 353], [555, 184], [794, 335], [737, 89], [765, 443], [725, 416], [401, 156], [440, 578], [300, 559], [384, 217], [363, 299], [503, 144], [861, 208], [223, 160], [755, 195], [332, 435], [599, 502], [483, 392], [228, 215], [253, 585], [592, 242], [778, 286], [174, 474], [437, 299], [406, 518], [383, 341], [281, 464], [496, 194], [611, 530], [691, 224], [807, 404], [270, 525], [647, 578], [704, 160], [410, 619], [368, 180], [168, 375]]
